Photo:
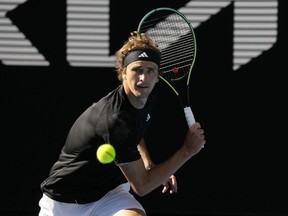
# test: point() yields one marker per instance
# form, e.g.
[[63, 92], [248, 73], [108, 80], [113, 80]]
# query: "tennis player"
[[78, 184]]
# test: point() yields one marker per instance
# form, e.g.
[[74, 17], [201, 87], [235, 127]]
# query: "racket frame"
[[187, 109]]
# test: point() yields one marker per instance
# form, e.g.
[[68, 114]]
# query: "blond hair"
[[135, 41]]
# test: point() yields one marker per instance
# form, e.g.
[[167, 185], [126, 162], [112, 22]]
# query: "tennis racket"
[[176, 39]]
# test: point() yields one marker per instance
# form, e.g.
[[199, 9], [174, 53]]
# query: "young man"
[[78, 184]]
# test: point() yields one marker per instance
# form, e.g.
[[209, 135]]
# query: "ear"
[[124, 77], [158, 79]]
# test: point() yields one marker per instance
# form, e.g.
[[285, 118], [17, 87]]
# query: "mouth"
[[142, 86]]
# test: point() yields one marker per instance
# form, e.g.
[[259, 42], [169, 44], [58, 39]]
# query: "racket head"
[[176, 40]]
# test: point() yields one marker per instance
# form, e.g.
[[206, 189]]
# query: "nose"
[[142, 77]]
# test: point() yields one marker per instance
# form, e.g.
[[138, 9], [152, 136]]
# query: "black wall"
[[241, 171]]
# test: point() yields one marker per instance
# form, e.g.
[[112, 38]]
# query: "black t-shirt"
[[78, 176]]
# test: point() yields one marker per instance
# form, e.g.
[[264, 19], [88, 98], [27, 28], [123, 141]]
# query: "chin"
[[144, 94]]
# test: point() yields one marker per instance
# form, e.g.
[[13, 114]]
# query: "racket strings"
[[178, 55], [176, 42]]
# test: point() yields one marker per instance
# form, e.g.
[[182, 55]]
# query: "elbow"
[[139, 190], [140, 193]]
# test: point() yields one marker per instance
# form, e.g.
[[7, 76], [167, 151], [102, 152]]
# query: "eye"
[[138, 70], [151, 70]]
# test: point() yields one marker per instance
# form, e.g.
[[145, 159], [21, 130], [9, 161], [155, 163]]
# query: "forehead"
[[140, 63]]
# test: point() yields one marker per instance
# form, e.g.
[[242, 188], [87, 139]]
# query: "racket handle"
[[189, 116]]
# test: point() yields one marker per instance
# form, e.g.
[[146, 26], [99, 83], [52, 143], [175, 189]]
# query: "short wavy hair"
[[135, 41]]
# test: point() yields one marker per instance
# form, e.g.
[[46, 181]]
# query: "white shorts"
[[114, 201]]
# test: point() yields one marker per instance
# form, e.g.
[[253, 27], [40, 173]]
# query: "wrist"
[[150, 166]]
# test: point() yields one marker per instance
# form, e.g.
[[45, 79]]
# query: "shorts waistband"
[[72, 200], [84, 200]]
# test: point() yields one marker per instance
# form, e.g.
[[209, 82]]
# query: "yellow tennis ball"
[[106, 153]]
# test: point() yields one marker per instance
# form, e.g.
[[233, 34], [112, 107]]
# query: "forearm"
[[193, 143], [142, 148], [159, 174], [143, 181]]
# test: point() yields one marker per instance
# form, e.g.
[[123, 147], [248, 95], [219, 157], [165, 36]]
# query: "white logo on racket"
[[144, 54]]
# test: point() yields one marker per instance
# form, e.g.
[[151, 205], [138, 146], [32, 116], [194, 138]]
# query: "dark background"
[[241, 171]]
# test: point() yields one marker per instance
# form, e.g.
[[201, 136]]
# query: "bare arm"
[[148, 163], [170, 184], [143, 182]]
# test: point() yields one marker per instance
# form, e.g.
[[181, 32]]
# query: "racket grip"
[[189, 116]]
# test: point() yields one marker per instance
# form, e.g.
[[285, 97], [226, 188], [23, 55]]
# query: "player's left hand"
[[171, 185]]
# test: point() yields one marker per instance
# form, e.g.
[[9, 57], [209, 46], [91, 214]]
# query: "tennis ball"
[[106, 153]]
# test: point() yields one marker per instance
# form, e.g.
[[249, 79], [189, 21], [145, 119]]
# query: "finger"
[[165, 189], [174, 186], [196, 125], [166, 186]]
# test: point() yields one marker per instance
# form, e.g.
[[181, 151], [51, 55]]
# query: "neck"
[[135, 101]]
